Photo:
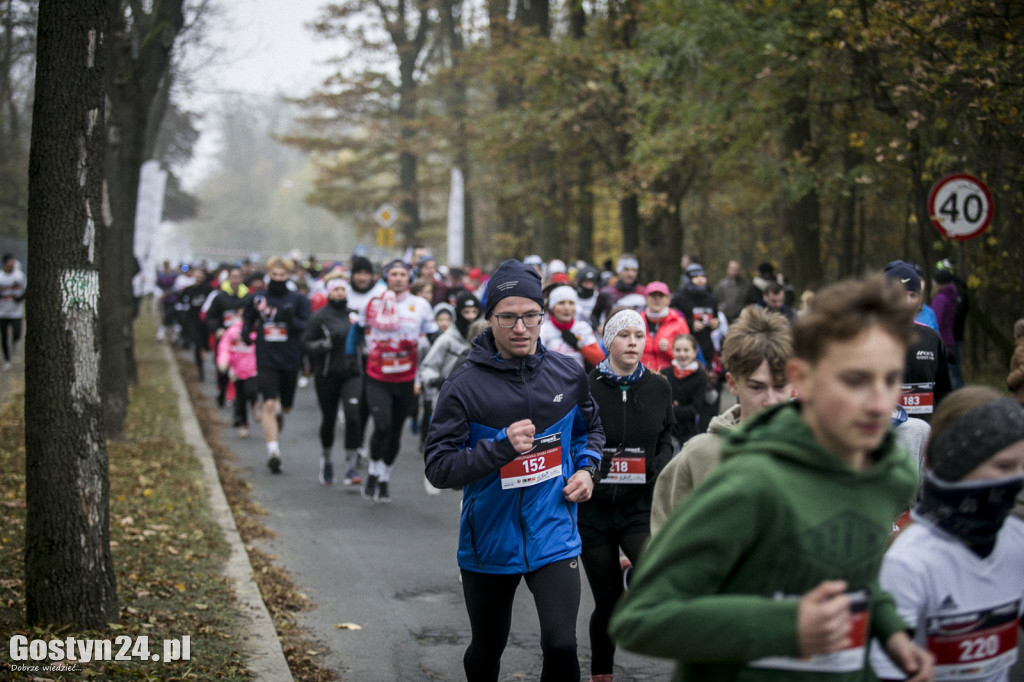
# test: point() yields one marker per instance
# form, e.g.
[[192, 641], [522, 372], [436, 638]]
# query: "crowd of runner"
[[593, 419]]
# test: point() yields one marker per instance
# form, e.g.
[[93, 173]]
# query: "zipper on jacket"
[[522, 527]]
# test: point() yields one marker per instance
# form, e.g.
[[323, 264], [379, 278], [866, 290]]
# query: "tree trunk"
[[69, 573], [140, 58], [801, 219], [629, 219]]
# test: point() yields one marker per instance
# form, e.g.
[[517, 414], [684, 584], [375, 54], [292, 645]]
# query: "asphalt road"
[[388, 568]]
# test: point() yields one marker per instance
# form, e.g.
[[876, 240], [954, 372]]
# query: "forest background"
[[807, 133]]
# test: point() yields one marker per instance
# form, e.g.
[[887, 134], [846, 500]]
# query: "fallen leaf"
[[349, 626]]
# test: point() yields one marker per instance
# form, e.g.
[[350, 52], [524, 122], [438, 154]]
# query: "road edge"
[[265, 659]]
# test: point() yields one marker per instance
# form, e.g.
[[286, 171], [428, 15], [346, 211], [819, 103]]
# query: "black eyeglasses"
[[509, 320]]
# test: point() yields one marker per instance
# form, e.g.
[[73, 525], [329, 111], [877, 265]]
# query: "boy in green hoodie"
[[769, 569]]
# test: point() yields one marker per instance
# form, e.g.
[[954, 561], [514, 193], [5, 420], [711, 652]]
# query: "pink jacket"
[[234, 354]]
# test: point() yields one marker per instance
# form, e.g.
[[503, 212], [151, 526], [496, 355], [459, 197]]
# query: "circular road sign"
[[386, 215], [960, 206]]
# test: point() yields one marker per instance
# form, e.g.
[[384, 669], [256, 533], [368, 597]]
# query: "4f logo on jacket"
[[557, 398]]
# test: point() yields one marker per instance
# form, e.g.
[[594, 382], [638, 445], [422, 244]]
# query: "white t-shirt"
[[964, 608], [12, 287]]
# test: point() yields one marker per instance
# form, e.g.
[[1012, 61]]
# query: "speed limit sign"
[[960, 206]]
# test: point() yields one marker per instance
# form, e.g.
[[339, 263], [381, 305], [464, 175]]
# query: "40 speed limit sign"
[[960, 206]]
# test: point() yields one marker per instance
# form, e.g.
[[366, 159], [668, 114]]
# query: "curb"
[[265, 659]]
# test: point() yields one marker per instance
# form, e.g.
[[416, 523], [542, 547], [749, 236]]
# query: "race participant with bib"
[[516, 428], [277, 316], [391, 325], [635, 405], [769, 569], [957, 572], [926, 381]]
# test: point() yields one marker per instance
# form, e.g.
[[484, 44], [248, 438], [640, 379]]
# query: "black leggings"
[[356, 411], [245, 394], [605, 577], [390, 405], [489, 598], [328, 394], [14, 324]]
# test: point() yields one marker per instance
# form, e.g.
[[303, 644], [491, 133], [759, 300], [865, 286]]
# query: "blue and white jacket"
[[522, 529]]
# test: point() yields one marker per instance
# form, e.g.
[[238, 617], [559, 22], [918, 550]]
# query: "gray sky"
[[266, 48]]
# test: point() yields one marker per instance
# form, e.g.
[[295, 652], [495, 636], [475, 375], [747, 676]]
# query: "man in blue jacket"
[[516, 428]]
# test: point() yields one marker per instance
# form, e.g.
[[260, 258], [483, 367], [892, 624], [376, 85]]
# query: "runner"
[[278, 317], [957, 572], [769, 571], [635, 405], [12, 292], [516, 428], [323, 341], [391, 325]]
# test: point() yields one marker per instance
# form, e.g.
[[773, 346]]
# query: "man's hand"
[[917, 663], [823, 619], [579, 487], [520, 435]]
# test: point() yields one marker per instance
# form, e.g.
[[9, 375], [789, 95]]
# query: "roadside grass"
[[168, 552]]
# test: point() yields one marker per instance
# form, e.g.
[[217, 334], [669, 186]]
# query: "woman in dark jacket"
[[323, 341], [635, 405]]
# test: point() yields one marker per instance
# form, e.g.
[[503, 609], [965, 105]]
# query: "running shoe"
[[382, 494], [326, 471], [303, 381], [274, 462], [352, 477], [370, 489]]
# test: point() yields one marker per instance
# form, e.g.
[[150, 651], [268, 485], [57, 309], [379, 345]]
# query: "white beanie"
[[559, 294]]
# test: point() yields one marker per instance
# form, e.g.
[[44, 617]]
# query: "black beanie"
[[361, 264], [973, 438], [513, 278]]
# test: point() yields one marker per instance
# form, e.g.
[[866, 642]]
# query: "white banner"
[[456, 221]]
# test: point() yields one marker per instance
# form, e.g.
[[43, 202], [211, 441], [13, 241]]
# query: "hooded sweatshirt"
[[719, 585]]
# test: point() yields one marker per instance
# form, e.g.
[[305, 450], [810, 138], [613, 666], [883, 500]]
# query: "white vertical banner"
[[456, 220], [150, 207], [149, 210]]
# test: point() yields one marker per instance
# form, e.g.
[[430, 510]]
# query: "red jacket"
[[672, 326]]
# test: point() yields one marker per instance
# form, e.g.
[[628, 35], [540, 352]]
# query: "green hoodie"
[[720, 583]]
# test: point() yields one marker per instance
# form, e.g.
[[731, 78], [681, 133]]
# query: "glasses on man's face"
[[509, 320]]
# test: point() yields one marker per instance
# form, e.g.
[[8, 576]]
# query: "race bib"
[[395, 362], [628, 466], [918, 398], [975, 644], [275, 332], [542, 462], [230, 317], [848, 660]]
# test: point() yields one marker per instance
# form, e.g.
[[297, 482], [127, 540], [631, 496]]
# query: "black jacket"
[[323, 341], [643, 419]]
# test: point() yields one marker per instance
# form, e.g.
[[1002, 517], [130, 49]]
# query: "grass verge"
[[168, 553]]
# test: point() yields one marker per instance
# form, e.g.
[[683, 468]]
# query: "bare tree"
[[69, 573]]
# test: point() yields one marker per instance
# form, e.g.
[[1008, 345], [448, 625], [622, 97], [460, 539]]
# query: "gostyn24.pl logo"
[[70, 651]]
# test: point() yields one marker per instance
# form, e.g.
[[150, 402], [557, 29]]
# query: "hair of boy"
[[843, 311], [278, 262], [757, 335], [773, 288], [419, 285]]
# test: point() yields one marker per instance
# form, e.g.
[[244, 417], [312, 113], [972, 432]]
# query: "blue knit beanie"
[[513, 278]]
